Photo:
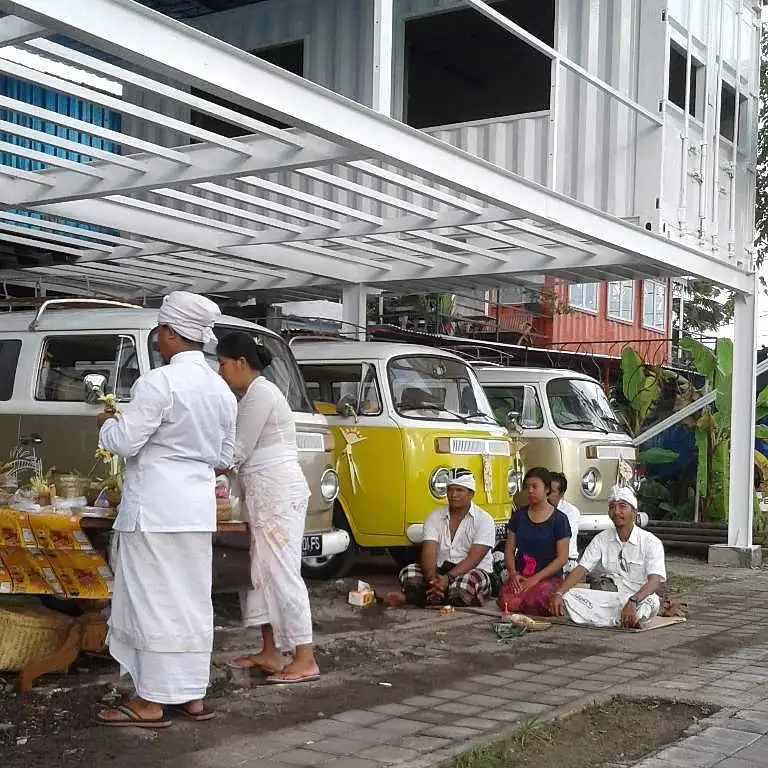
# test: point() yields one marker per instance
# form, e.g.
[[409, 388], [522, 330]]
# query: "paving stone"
[[393, 709], [433, 716], [721, 739], [389, 755], [489, 680], [326, 727], [360, 717], [554, 662], [456, 708], [335, 745], [756, 752], [514, 691], [422, 701], [737, 762], [295, 737], [481, 700], [690, 758], [522, 687], [525, 706], [503, 715], [549, 699], [451, 733], [304, 757], [589, 685], [552, 681], [515, 674], [423, 743], [446, 693], [469, 687], [400, 726], [480, 723], [532, 667]]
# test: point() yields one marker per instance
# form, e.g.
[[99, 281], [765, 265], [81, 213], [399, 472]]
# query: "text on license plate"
[[501, 530], [311, 546]]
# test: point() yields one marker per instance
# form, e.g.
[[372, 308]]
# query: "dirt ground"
[[368, 656], [620, 730]]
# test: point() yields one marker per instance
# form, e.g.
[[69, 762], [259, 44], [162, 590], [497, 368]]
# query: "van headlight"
[[329, 485], [590, 482], [438, 483], [514, 481]]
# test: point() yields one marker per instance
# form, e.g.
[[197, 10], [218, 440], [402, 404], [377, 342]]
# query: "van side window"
[[328, 384], [9, 360], [67, 360], [520, 399]]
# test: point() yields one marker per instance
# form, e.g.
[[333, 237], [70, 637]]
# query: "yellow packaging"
[[29, 573], [362, 596], [82, 575], [59, 533], [15, 530]]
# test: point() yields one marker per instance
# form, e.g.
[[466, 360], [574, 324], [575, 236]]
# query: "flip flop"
[[197, 717], [132, 719], [277, 680], [241, 663]]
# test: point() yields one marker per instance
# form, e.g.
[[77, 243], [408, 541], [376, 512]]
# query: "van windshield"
[[433, 387], [283, 372], [581, 404]]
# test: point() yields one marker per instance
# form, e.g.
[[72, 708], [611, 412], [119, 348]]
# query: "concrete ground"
[[413, 688]]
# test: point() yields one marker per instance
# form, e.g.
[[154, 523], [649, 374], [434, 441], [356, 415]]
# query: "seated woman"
[[538, 537]]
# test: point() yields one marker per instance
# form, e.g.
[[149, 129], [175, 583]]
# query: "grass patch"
[[618, 730]]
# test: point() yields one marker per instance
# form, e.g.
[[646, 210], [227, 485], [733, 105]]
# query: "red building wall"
[[582, 331]]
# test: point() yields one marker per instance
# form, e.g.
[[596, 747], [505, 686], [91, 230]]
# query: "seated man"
[[556, 498], [631, 557], [456, 562]]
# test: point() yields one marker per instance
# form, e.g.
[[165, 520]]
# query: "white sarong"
[[603, 609], [276, 507], [161, 623]]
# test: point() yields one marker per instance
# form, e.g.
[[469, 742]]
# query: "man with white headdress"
[[631, 557], [456, 563], [178, 427]]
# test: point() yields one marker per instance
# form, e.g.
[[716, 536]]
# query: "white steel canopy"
[[344, 197]]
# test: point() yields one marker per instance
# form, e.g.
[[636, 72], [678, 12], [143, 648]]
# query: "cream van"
[[567, 425], [402, 416], [52, 356]]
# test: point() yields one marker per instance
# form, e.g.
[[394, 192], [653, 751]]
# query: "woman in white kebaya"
[[275, 494]]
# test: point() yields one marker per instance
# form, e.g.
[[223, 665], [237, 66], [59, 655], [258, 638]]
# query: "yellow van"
[[402, 417], [565, 423]]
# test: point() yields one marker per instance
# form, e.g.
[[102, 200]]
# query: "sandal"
[[181, 709], [242, 662], [131, 719], [278, 679]]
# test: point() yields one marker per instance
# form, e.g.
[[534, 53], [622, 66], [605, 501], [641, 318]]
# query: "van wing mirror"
[[94, 385], [346, 407], [513, 421]]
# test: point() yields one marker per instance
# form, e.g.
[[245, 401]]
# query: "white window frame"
[[582, 303], [626, 308], [657, 286]]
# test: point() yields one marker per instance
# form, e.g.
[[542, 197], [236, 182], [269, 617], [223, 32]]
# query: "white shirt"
[[477, 527], [572, 512], [642, 554], [178, 427], [266, 431]]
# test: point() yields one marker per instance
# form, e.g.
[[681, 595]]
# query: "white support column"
[[383, 38], [353, 311], [740, 550]]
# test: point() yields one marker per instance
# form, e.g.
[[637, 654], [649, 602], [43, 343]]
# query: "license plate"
[[501, 530], [311, 546]]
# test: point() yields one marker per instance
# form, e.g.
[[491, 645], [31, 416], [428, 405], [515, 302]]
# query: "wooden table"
[[88, 633]]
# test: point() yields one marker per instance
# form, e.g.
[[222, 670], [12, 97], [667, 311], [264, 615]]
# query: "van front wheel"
[[332, 566]]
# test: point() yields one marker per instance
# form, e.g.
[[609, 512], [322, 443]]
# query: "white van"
[[48, 355]]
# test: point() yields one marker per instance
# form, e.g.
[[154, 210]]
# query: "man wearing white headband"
[[178, 427], [631, 557], [456, 564]]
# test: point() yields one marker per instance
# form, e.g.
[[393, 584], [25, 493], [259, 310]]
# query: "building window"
[[460, 66], [677, 69], [621, 297], [728, 113], [583, 296], [289, 57], [655, 305]]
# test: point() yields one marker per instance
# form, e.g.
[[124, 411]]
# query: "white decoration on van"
[[351, 436], [310, 442], [487, 477], [477, 446]]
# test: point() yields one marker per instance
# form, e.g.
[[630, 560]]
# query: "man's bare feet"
[[268, 662], [394, 599], [297, 672]]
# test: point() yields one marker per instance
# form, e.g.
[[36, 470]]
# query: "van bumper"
[[325, 544], [597, 523]]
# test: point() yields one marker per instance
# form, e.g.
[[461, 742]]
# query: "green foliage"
[[655, 456], [703, 358], [641, 387]]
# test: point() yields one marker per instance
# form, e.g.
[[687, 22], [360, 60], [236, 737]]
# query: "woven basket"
[[29, 633]]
